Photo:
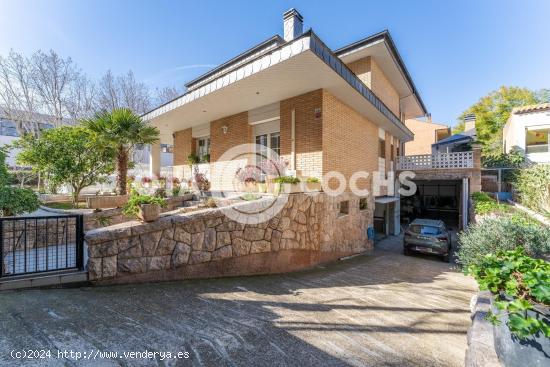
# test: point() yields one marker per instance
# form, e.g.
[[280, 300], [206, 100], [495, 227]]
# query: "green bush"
[[484, 204], [132, 206], [313, 180], [493, 235], [14, 201], [520, 282], [533, 185], [287, 180]]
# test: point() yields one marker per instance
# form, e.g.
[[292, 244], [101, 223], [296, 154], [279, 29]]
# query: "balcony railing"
[[436, 161]]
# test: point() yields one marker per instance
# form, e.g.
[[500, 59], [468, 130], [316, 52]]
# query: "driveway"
[[382, 309]]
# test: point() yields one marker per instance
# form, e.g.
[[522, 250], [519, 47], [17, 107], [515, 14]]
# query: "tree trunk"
[[122, 167], [76, 194]]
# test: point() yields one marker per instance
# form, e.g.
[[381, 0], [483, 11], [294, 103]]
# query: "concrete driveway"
[[382, 309]]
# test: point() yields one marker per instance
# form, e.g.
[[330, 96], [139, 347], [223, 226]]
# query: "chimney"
[[292, 24], [469, 122]]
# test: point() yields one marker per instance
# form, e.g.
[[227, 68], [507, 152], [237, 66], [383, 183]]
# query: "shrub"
[[312, 180], [533, 185], [484, 204], [520, 282], [176, 190], [493, 235], [14, 201], [192, 159], [287, 180], [132, 206], [249, 173]]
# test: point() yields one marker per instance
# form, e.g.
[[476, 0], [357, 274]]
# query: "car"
[[428, 236]]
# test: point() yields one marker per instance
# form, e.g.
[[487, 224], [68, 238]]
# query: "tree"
[[69, 155], [492, 112], [166, 94], [122, 129], [13, 200], [123, 92]]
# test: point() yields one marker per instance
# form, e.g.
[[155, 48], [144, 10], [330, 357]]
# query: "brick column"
[[475, 181]]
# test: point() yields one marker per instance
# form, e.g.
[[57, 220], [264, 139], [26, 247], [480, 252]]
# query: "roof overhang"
[[297, 67], [382, 49]]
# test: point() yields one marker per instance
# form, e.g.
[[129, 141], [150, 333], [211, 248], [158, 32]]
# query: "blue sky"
[[455, 51]]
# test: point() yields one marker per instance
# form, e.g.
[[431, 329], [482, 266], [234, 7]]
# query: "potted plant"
[[145, 207], [248, 176], [202, 182], [176, 188], [288, 185], [206, 158], [262, 187], [313, 184], [192, 159], [146, 181], [520, 306]]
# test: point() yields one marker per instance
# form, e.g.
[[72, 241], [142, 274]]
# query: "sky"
[[455, 51]]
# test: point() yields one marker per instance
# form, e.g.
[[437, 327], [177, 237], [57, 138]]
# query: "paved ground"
[[384, 309]]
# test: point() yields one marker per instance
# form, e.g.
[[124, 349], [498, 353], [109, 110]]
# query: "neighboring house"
[[528, 129], [460, 142], [321, 109], [9, 133], [425, 133]]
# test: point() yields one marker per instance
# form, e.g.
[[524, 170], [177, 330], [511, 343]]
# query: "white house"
[[528, 129]]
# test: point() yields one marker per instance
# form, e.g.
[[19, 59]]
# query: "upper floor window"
[[536, 141], [381, 148]]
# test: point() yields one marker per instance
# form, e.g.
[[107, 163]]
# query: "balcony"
[[457, 160]]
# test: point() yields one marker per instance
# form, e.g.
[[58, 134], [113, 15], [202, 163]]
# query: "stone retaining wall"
[[307, 231]]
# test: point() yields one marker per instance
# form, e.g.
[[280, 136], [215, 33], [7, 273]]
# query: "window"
[[381, 148], [363, 204], [344, 207], [8, 128], [267, 141], [203, 149], [166, 148], [536, 141]]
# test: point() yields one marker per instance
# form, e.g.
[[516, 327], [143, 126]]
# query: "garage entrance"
[[435, 199]]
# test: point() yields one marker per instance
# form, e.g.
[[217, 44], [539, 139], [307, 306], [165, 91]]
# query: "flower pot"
[[262, 187], [292, 188], [313, 186], [250, 186], [148, 212], [513, 351]]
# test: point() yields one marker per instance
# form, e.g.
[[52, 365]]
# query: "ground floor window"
[[267, 142], [203, 149]]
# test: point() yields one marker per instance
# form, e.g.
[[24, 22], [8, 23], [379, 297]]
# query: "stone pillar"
[[154, 160]]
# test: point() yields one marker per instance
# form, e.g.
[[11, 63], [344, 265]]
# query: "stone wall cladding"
[[206, 243]]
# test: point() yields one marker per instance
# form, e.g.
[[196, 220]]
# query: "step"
[[56, 279]]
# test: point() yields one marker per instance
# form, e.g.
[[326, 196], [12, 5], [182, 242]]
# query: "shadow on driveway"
[[381, 309]]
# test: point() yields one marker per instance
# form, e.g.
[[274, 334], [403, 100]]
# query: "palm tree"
[[124, 130]]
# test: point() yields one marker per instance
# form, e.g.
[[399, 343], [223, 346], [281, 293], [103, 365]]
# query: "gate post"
[[79, 242]]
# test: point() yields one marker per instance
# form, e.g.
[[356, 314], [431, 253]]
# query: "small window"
[[344, 207], [381, 148], [363, 204]]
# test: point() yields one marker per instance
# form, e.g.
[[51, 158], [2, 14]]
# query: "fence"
[[30, 245], [436, 161]]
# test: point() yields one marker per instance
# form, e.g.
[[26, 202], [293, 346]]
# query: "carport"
[[435, 199]]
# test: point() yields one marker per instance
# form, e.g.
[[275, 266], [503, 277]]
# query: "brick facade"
[[238, 132], [309, 132], [184, 144], [383, 88]]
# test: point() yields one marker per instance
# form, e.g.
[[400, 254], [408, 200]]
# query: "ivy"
[[520, 283]]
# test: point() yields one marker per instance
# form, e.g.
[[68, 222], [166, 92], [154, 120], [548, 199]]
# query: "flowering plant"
[[249, 173], [273, 167], [146, 180]]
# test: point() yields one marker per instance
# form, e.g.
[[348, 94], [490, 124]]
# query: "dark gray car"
[[428, 236]]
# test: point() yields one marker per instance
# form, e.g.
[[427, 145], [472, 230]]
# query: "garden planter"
[[148, 212], [514, 352], [262, 187], [313, 186], [106, 201]]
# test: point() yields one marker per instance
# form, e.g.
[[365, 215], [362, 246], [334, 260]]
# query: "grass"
[[65, 205], [485, 205]]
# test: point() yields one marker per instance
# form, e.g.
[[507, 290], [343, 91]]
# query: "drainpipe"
[[293, 139]]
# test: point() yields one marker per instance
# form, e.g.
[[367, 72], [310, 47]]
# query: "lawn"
[[65, 205]]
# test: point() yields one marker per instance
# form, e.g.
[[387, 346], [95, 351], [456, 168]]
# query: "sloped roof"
[[531, 108]]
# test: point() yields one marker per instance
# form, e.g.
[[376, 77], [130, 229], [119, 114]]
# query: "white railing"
[[436, 161]]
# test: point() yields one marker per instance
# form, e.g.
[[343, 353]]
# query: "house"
[[528, 130], [320, 109], [460, 142], [425, 133]]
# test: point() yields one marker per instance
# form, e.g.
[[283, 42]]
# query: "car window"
[[426, 230]]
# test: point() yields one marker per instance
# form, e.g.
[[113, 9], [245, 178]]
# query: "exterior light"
[[225, 129]]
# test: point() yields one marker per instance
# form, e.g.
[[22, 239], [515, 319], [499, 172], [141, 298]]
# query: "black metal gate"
[[30, 245]]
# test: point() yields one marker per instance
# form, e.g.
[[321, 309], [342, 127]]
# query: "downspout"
[[293, 139]]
